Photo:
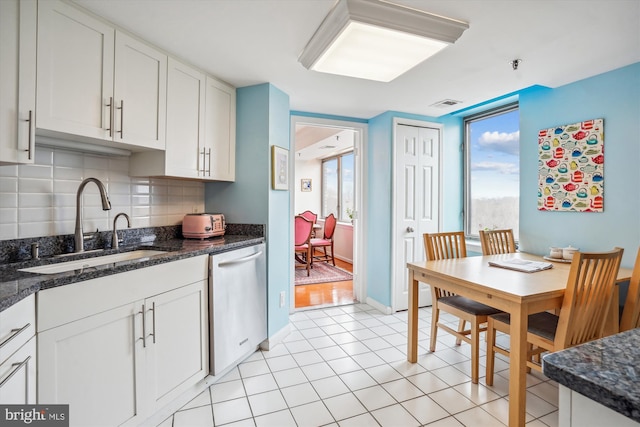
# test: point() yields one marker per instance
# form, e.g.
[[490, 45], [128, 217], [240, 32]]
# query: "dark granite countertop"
[[606, 370], [16, 285]]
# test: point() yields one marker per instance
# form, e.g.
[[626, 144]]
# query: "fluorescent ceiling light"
[[376, 40]]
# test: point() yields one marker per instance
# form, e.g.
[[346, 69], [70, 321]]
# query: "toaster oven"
[[203, 225]]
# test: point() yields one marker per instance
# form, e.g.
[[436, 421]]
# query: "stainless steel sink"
[[92, 262]]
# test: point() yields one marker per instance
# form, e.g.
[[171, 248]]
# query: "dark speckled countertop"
[[16, 285], [606, 370]]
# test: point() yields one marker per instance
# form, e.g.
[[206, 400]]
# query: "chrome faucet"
[[114, 238], [106, 205]]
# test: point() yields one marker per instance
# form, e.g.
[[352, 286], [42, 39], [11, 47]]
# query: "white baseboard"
[[380, 307], [276, 338]]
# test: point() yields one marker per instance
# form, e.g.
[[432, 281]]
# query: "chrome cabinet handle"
[[409, 229], [16, 332], [209, 154], [144, 329], [153, 321], [110, 105], [15, 371], [121, 108], [204, 159], [30, 137]]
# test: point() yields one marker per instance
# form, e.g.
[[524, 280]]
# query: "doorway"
[[327, 161]]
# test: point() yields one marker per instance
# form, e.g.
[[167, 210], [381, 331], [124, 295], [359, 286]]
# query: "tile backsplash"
[[40, 199]]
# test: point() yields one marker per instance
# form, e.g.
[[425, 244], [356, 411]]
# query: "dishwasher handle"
[[240, 260]]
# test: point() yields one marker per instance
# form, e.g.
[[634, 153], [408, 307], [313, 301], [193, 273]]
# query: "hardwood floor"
[[326, 294]]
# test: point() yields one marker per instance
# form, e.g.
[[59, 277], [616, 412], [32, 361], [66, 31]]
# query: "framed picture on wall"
[[279, 168], [305, 184]]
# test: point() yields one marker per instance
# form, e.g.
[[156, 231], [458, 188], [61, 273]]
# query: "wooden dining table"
[[514, 292]]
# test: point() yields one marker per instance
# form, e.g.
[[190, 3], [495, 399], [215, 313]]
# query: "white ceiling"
[[248, 42]]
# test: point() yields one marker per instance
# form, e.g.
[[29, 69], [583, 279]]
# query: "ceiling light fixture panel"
[[376, 40]]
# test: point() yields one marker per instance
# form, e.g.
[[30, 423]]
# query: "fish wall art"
[[571, 176]]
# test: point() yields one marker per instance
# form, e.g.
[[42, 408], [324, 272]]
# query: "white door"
[[417, 183]]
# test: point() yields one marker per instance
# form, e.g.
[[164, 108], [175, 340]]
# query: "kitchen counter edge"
[[16, 285], [603, 370]]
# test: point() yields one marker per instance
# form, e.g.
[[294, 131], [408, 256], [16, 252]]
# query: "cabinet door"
[[18, 376], [18, 21], [93, 364], [139, 93], [220, 130], [177, 341], [185, 121], [75, 71]]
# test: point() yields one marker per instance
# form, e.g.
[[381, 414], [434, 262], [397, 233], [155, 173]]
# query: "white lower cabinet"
[[577, 410], [132, 357], [176, 343], [18, 353], [92, 361], [18, 376]]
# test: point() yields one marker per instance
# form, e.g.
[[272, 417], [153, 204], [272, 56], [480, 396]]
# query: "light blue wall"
[[615, 97], [378, 209], [263, 120], [262, 116], [279, 238], [246, 200]]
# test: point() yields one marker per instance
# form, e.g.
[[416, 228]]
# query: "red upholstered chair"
[[302, 246], [313, 218], [326, 241], [310, 216]]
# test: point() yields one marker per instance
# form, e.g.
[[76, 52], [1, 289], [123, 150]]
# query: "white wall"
[[342, 240], [40, 199], [309, 169]]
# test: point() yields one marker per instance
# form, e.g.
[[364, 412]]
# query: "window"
[[338, 189], [492, 164]]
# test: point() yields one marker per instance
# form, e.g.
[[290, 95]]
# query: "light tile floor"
[[346, 366]]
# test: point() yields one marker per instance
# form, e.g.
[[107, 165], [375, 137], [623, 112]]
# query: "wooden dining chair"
[[302, 242], [583, 314], [325, 242], [631, 311], [446, 246], [497, 242]]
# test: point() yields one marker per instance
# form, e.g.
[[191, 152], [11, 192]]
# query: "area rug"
[[320, 273]]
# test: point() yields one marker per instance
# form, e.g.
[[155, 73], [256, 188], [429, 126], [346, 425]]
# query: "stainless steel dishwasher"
[[237, 305]]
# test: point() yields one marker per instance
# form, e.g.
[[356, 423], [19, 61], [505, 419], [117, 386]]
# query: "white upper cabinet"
[[140, 93], [201, 124], [220, 131], [75, 71], [185, 130], [96, 82], [185, 111], [18, 20]]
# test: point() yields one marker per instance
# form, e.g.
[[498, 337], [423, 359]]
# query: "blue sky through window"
[[495, 147]]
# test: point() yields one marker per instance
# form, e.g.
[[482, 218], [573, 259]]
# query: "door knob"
[[409, 229]]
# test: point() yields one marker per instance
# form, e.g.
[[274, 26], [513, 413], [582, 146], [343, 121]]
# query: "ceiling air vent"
[[445, 103]]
